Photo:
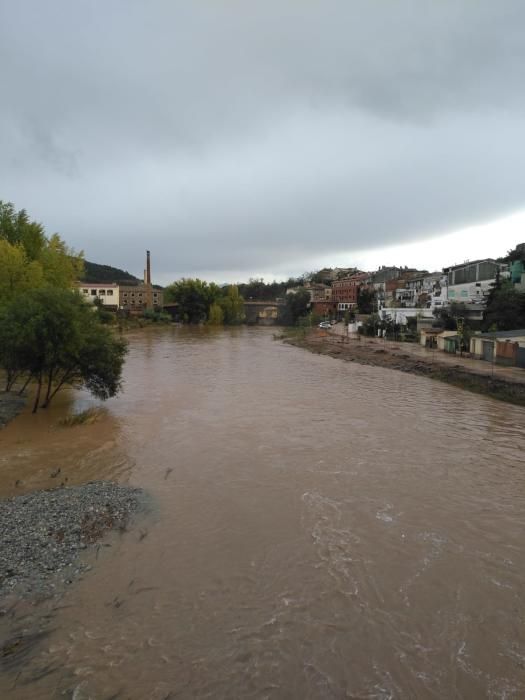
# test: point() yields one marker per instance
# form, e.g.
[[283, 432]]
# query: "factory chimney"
[[147, 282]]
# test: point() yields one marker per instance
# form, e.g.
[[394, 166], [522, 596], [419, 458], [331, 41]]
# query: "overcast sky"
[[266, 137]]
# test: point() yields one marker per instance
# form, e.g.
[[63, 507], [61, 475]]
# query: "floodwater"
[[322, 530]]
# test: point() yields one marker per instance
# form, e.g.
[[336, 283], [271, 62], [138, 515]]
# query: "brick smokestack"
[[147, 281]]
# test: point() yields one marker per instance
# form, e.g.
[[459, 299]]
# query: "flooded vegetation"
[[321, 530]]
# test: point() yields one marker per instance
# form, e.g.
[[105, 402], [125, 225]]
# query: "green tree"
[[505, 310], [366, 300], [194, 298], [297, 306], [17, 272], [16, 228], [256, 289], [216, 315], [517, 253], [232, 305], [60, 266], [447, 316], [51, 336]]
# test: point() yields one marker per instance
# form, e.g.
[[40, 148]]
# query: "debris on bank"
[[367, 354], [10, 406], [43, 533]]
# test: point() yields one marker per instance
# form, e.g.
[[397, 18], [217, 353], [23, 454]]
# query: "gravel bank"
[[43, 533], [10, 406]]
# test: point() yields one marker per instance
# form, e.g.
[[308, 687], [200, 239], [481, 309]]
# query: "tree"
[[16, 228], [53, 337], [366, 300], [17, 272], [35, 260], [297, 306], [257, 289], [232, 306], [447, 316], [517, 253], [194, 298], [216, 315], [505, 310], [60, 264]]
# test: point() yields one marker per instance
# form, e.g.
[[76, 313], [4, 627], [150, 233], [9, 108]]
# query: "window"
[[93, 292], [110, 292], [85, 291], [102, 292]]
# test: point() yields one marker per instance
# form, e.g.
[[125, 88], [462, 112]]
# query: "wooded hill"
[[95, 273]]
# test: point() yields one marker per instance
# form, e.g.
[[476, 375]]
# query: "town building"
[[517, 274], [345, 291], [107, 293], [419, 290], [321, 299], [387, 280], [471, 282], [141, 297], [319, 292]]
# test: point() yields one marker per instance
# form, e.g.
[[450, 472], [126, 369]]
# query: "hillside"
[[93, 272]]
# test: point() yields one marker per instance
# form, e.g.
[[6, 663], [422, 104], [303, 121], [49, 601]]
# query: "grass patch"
[[87, 417]]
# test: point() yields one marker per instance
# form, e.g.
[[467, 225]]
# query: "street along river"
[[322, 529]]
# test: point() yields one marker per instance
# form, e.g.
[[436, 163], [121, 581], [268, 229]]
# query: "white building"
[[107, 293], [401, 315], [471, 282]]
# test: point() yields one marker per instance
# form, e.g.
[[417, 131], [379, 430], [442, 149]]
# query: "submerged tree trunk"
[[10, 379], [48, 392], [25, 385], [51, 394], [38, 391]]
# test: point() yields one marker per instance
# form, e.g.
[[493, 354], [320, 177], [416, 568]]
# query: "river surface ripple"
[[324, 530]]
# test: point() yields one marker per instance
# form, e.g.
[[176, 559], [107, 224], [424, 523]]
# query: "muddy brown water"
[[323, 530]]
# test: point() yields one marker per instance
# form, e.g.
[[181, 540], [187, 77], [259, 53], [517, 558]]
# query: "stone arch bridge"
[[264, 313]]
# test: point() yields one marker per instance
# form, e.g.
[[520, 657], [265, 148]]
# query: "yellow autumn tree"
[[17, 272], [29, 259]]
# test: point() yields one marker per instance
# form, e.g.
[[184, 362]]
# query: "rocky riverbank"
[[382, 356], [10, 406], [43, 533]]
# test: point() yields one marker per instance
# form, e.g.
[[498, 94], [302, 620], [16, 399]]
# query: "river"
[[322, 529]]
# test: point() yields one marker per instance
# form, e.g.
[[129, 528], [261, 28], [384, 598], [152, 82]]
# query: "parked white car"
[[325, 324]]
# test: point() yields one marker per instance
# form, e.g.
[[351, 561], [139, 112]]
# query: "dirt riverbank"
[[393, 356]]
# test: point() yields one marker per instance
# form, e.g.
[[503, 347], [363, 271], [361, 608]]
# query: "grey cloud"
[[237, 136]]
